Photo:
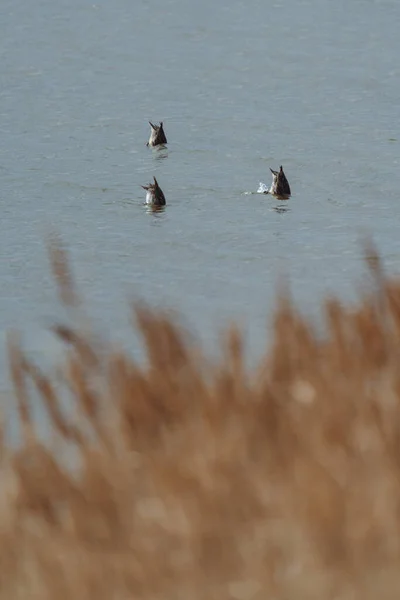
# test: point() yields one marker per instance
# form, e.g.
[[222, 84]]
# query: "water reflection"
[[155, 210], [281, 208], [160, 152]]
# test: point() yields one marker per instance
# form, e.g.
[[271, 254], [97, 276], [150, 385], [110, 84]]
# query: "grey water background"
[[241, 86]]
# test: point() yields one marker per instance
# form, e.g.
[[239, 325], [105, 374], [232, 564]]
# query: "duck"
[[154, 194], [157, 135], [280, 187]]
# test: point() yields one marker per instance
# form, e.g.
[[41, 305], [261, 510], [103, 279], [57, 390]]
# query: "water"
[[241, 86]]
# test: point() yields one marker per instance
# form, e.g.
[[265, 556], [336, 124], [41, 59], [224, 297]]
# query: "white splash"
[[263, 188]]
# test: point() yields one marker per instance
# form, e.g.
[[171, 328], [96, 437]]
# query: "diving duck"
[[157, 135], [280, 187], [154, 194]]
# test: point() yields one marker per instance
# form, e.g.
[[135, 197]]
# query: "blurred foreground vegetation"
[[197, 480]]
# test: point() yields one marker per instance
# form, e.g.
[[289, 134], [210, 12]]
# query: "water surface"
[[241, 86]]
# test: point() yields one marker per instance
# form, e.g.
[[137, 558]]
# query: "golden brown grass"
[[199, 481]]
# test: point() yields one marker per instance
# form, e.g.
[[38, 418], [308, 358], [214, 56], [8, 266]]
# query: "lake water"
[[241, 86]]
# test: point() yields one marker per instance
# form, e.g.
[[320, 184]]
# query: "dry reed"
[[200, 481]]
